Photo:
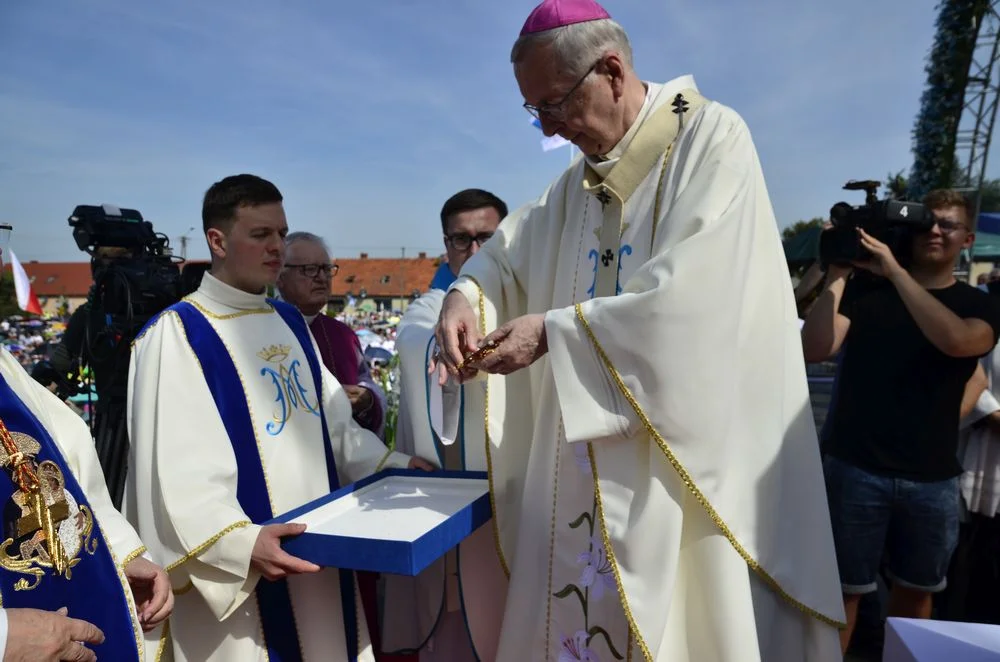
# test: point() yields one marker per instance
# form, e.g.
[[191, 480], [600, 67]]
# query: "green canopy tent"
[[802, 249]]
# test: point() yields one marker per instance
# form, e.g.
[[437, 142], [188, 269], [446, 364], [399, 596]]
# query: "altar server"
[[65, 545], [234, 420], [654, 466], [452, 611]]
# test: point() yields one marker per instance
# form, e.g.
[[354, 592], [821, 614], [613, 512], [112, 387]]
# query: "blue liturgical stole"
[[227, 391], [90, 586]]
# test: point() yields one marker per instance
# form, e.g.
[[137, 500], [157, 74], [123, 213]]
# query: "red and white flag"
[[26, 299]]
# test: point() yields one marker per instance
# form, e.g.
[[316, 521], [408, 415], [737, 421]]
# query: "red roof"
[[53, 279], [379, 277], [384, 277]]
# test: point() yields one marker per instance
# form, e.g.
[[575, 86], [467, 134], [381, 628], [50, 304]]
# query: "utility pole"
[[403, 250], [184, 242]]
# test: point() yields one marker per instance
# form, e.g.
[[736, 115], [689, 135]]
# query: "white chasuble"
[[656, 479], [183, 476], [452, 611]]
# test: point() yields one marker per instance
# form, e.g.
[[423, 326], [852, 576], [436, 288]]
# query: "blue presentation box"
[[397, 521]]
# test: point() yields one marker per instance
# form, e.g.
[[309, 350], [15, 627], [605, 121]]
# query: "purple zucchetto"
[[553, 14]]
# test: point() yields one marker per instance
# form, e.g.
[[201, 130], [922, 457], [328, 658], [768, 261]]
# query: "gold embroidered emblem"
[[275, 353], [46, 530]]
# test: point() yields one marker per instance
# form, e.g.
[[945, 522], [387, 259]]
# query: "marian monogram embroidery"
[[290, 395], [45, 529]]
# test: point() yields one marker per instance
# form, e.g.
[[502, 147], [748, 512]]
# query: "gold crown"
[[275, 353]]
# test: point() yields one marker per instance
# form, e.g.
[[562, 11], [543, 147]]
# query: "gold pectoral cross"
[[46, 518]]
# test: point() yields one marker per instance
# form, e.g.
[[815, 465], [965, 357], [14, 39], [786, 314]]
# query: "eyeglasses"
[[312, 270], [462, 241], [556, 111], [947, 227]]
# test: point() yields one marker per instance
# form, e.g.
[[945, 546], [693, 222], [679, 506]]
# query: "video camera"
[[135, 276], [893, 222]]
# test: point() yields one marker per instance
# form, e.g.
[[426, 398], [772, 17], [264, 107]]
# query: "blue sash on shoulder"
[[91, 588], [277, 618]]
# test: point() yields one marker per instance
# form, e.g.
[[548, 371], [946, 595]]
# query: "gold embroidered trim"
[[486, 434], [552, 540], [699, 496], [132, 556], [381, 463], [152, 326], [200, 549], [609, 550], [658, 200], [228, 316], [140, 639], [164, 640]]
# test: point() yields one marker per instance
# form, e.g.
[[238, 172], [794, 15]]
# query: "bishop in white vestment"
[[654, 466]]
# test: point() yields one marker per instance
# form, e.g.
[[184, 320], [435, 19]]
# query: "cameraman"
[[911, 341], [88, 341]]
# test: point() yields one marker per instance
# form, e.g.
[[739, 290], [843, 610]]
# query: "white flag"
[[26, 299], [549, 143]]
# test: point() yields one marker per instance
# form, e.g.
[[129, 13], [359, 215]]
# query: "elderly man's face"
[[309, 294], [584, 111]]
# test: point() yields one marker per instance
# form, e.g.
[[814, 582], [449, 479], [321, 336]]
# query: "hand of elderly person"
[[361, 398], [49, 636], [457, 334], [517, 344]]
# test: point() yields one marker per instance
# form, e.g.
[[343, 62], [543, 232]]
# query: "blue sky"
[[369, 115]]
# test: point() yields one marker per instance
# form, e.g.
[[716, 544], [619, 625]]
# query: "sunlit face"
[[584, 111], [250, 254], [942, 244], [309, 293], [467, 231]]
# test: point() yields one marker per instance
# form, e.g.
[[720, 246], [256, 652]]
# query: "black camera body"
[[893, 222], [133, 283]]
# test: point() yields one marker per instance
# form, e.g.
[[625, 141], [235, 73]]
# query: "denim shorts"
[[912, 526]]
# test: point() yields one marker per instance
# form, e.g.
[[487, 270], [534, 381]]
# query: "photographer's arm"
[[951, 334], [825, 327], [945, 330]]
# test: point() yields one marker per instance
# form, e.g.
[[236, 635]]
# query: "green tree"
[[8, 297], [801, 226], [944, 95], [895, 186]]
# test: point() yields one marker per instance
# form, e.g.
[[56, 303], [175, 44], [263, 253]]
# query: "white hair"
[[578, 46], [295, 237]]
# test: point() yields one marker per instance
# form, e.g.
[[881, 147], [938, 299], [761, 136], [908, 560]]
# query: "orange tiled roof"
[[53, 279], [405, 275], [384, 277]]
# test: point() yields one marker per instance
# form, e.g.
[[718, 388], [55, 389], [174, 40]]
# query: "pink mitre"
[[553, 14]]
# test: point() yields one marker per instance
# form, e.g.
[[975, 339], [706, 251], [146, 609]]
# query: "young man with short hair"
[[911, 341], [233, 421]]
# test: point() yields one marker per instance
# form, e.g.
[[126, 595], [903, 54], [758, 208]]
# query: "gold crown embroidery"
[[275, 353]]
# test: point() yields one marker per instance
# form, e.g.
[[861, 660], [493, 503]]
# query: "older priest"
[[650, 436], [233, 420]]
